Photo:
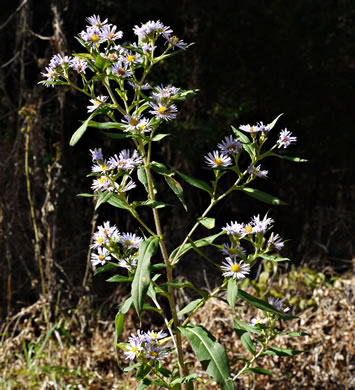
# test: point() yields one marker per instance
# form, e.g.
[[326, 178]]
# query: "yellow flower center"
[[218, 161], [100, 240], [162, 110], [130, 58], [235, 268], [128, 242], [133, 122], [104, 167], [110, 36], [101, 257], [154, 335], [175, 38], [121, 71], [232, 251], [252, 129], [154, 354], [134, 349], [95, 38], [248, 229], [102, 180]]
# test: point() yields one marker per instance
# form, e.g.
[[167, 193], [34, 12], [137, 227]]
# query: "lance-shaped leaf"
[[177, 189], [239, 324], [141, 279], [246, 143], [274, 258], [105, 268], [106, 125], [263, 196], [232, 292], [260, 304], [81, 130], [210, 353], [246, 340], [160, 168], [282, 351], [199, 243], [208, 223], [273, 123], [119, 321], [258, 370], [103, 198], [190, 307], [290, 158], [195, 182], [117, 202], [150, 203]]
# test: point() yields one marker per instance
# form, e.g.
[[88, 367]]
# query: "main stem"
[[171, 296]]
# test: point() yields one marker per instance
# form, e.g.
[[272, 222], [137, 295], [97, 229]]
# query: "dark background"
[[251, 61]]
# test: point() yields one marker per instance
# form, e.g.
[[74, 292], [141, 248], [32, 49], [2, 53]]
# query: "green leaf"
[[258, 370], [274, 258], [177, 189], [81, 130], [150, 203], [246, 340], [290, 158], [119, 278], [159, 137], [126, 305], [210, 353], [85, 195], [295, 334], [103, 198], [282, 351], [142, 177], [232, 292], [246, 142], [117, 202], [263, 197], [106, 125], [186, 379], [195, 182], [104, 268], [160, 168], [190, 307], [238, 324], [199, 243], [141, 279], [208, 223], [119, 135], [273, 123], [256, 302]]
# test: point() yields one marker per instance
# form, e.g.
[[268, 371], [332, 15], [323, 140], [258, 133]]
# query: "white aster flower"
[[134, 348], [100, 166], [96, 154], [258, 321], [234, 269], [258, 172], [101, 257], [130, 240], [217, 159], [121, 69], [251, 129], [162, 111], [275, 242], [95, 21], [108, 33], [96, 103], [285, 139], [78, 64], [234, 228], [276, 302]]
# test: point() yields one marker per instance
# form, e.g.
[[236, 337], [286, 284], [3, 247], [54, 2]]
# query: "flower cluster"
[[116, 167], [146, 346], [111, 245], [254, 232]]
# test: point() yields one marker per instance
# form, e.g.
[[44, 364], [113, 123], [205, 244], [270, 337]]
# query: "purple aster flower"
[[175, 41], [57, 60], [276, 302], [234, 228], [121, 69], [51, 75], [234, 269], [78, 64], [230, 145], [260, 226], [258, 172], [262, 127], [165, 93], [285, 139], [233, 251], [217, 159], [92, 36], [96, 154], [95, 21], [108, 33]]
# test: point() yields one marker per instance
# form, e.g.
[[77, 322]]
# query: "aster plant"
[[114, 77]]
